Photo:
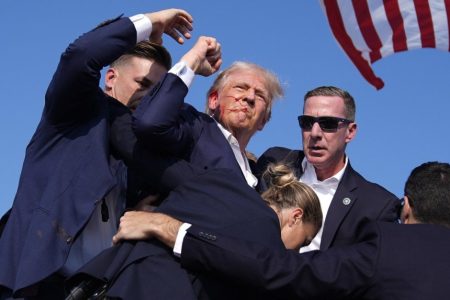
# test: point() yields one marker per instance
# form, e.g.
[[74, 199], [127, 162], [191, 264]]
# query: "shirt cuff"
[[180, 238], [143, 27], [185, 73]]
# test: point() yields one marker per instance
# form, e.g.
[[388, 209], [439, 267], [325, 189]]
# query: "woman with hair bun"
[[296, 204]]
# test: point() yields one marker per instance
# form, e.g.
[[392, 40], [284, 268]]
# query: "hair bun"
[[279, 175]]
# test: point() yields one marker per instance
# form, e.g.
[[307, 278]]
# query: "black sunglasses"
[[327, 124]]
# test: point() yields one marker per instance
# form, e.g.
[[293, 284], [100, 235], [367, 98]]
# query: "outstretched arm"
[[336, 273], [141, 225], [76, 81]]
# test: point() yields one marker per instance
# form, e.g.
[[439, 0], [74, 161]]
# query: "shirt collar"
[[241, 158], [228, 135], [309, 174]]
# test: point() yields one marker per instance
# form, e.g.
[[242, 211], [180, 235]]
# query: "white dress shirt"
[[325, 190]]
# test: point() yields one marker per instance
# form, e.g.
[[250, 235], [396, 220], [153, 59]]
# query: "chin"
[[315, 159]]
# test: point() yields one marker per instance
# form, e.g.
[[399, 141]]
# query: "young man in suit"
[[347, 199], [387, 260], [73, 178]]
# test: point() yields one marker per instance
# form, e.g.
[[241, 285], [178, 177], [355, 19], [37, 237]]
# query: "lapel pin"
[[346, 201]]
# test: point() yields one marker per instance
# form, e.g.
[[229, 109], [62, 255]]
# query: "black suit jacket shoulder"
[[355, 200]]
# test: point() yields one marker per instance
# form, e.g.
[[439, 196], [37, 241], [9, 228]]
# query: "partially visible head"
[[325, 139], [242, 95], [131, 76], [296, 205], [427, 195]]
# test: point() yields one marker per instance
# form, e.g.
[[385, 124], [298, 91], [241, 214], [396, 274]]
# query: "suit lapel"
[[227, 153], [342, 202]]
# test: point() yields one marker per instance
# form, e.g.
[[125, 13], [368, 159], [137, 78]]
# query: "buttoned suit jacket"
[[387, 261], [214, 198], [355, 200], [164, 122], [67, 168]]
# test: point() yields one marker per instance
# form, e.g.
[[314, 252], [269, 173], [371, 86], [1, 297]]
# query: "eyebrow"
[[257, 90]]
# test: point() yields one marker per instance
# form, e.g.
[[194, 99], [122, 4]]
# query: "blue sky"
[[401, 126]]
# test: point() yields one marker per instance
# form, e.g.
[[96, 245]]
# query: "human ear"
[[405, 215], [110, 78], [351, 132], [295, 216], [213, 100]]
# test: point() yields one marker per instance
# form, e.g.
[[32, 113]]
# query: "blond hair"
[[285, 191]]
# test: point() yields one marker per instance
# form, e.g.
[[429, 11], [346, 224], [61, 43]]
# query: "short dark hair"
[[147, 50], [349, 102], [428, 192]]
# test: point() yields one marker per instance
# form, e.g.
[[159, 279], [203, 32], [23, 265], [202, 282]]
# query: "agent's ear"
[[213, 100], [351, 132], [110, 78], [407, 215], [295, 216]]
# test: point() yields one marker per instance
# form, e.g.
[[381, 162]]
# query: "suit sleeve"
[[391, 211], [336, 273], [71, 93], [159, 121]]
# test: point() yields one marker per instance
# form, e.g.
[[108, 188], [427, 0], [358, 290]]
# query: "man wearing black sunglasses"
[[347, 199]]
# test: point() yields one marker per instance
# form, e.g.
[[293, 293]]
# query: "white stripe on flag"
[[412, 30], [440, 24], [352, 28], [382, 26]]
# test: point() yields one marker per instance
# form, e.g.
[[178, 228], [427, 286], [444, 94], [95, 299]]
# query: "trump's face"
[[241, 104]]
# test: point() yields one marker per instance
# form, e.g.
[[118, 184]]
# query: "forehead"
[[250, 77], [324, 106]]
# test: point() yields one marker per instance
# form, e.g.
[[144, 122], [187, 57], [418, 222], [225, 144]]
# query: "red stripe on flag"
[[367, 29], [337, 26], [425, 23], [395, 19], [447, 10]]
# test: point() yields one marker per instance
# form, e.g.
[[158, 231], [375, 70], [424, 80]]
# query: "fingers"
[[132, 226], [186, 16], [176, 23], [214, 52], [214, 55], [178, 29], [181, 26]]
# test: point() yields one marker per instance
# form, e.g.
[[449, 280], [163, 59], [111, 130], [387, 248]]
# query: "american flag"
[[369, 30]]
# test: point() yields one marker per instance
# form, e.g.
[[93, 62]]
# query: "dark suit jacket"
[[214, 198], [367, 200], [387, 261], [68, 168], [163, 121]]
